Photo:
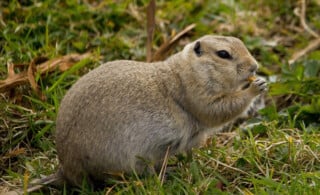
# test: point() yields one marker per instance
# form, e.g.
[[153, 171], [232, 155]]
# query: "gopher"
[[124, 115]]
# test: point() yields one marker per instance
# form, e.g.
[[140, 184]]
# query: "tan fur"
[[126, 113]]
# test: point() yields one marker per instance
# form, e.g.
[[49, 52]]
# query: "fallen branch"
[[62, 63], [160, 54]]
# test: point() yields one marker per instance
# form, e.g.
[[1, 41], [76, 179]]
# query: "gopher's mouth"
[[247, 81]]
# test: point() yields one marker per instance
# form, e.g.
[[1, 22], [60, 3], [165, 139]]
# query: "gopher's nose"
[[253, 67]]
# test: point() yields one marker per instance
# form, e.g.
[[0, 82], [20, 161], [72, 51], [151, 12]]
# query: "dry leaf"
[[32, 70], [15, 152]]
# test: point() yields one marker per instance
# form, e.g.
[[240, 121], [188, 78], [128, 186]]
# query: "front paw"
[[258, 86]]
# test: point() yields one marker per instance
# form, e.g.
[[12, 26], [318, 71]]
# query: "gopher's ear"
[[197, 49]]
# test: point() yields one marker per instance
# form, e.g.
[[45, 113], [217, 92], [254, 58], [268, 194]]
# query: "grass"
[[276, 153]]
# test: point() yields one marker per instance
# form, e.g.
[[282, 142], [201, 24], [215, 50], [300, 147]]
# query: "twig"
[[151, 10], [164, 166], [230, 167], [303, 20], [160, 54], [313, 44], [110, 189], [63, 63]]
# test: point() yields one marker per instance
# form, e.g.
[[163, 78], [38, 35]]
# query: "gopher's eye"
[[223, 54]]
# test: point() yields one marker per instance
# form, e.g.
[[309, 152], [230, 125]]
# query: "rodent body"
[[126, 113]]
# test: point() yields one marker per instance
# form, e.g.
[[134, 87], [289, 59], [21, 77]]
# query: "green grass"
[[276, 153]]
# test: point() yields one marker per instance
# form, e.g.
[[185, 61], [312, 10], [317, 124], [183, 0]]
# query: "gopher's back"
[[111, 117]]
